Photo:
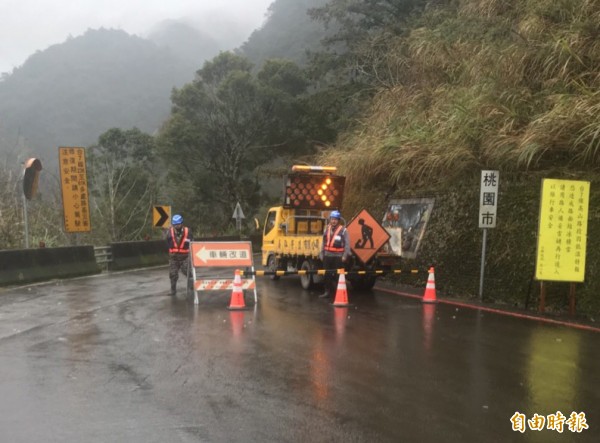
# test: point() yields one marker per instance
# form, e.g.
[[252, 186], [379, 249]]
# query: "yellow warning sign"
[[161, 216], [562, 230], [73, 179]]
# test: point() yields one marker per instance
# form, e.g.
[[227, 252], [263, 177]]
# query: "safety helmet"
[[335, 214], [177, 219]]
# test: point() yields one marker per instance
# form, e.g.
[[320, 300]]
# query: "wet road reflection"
[[111, 358]]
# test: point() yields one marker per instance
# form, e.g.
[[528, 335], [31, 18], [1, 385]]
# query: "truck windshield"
[[270, 222]]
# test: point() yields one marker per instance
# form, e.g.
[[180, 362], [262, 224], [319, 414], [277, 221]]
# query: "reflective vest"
[[333, 241], [183, 247]]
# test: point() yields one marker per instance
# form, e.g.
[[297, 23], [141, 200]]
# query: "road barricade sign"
[[221, 254]]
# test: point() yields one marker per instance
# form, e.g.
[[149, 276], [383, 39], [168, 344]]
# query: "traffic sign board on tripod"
[[206, 254]]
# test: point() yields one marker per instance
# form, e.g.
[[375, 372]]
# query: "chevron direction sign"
[[161, 216]]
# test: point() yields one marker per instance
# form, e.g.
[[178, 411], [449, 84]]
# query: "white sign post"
[[488, 206], [238, 214]]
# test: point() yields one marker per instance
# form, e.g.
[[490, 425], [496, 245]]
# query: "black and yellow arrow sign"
[[161, 216]]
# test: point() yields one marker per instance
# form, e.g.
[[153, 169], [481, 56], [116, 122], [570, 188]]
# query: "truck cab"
[[292, 241]]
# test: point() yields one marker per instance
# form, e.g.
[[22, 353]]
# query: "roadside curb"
[[414, 293]]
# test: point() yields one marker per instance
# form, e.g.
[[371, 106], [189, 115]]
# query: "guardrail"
[[103, 256], [18, 266]]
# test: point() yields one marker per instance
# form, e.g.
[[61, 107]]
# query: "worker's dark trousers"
[[177, 263], [332, 262]]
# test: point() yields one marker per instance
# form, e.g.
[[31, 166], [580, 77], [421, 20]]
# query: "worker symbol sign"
[[366, 235]]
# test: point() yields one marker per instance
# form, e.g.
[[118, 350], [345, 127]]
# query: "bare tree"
[[123, 185]]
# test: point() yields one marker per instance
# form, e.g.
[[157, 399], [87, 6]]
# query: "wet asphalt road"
[[110, 358]]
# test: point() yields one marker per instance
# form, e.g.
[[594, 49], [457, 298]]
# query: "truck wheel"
[[272, 267], [365, 283], [306, 280]]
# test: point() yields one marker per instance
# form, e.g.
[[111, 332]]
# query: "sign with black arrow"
[[161, 216]]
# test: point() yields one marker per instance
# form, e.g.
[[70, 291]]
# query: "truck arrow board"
[[161, 216], [222, 254]]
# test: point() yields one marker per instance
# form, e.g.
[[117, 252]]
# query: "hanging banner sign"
[[562, 230], [73, 179]]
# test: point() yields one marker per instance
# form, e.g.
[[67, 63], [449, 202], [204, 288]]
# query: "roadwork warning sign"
[[367, 236], [221, 254]]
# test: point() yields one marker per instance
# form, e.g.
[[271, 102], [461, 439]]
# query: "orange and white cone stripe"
[[341, 294], [237, 295]]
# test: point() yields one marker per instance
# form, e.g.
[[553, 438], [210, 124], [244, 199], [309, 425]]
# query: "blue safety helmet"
[[335, 214], [177, 219]]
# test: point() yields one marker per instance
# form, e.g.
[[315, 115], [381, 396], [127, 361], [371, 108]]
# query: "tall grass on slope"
[[568, 134]]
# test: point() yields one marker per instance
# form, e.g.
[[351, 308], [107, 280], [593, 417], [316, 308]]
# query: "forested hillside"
[[471, 85]]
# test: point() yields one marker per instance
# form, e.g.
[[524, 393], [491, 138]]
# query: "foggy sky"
[[27, 26]]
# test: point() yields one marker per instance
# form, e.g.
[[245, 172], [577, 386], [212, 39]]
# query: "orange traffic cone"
[[341, 294], [429, 296], [237, 295]]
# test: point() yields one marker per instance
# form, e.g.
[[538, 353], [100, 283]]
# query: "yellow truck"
[[293, 232]]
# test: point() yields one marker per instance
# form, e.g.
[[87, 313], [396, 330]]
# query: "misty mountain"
[[72, 92], [185, 41], [287, 33]]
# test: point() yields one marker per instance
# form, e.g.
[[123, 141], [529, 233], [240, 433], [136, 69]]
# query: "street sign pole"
[[483, 245], [25, 222], [488, 206], [31, 177]]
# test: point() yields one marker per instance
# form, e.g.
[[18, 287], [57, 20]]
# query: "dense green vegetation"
[[409, 98], [471, 85], [225, 125]]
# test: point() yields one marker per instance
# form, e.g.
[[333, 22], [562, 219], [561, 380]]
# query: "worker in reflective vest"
[[335, 251], [178, 241]]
